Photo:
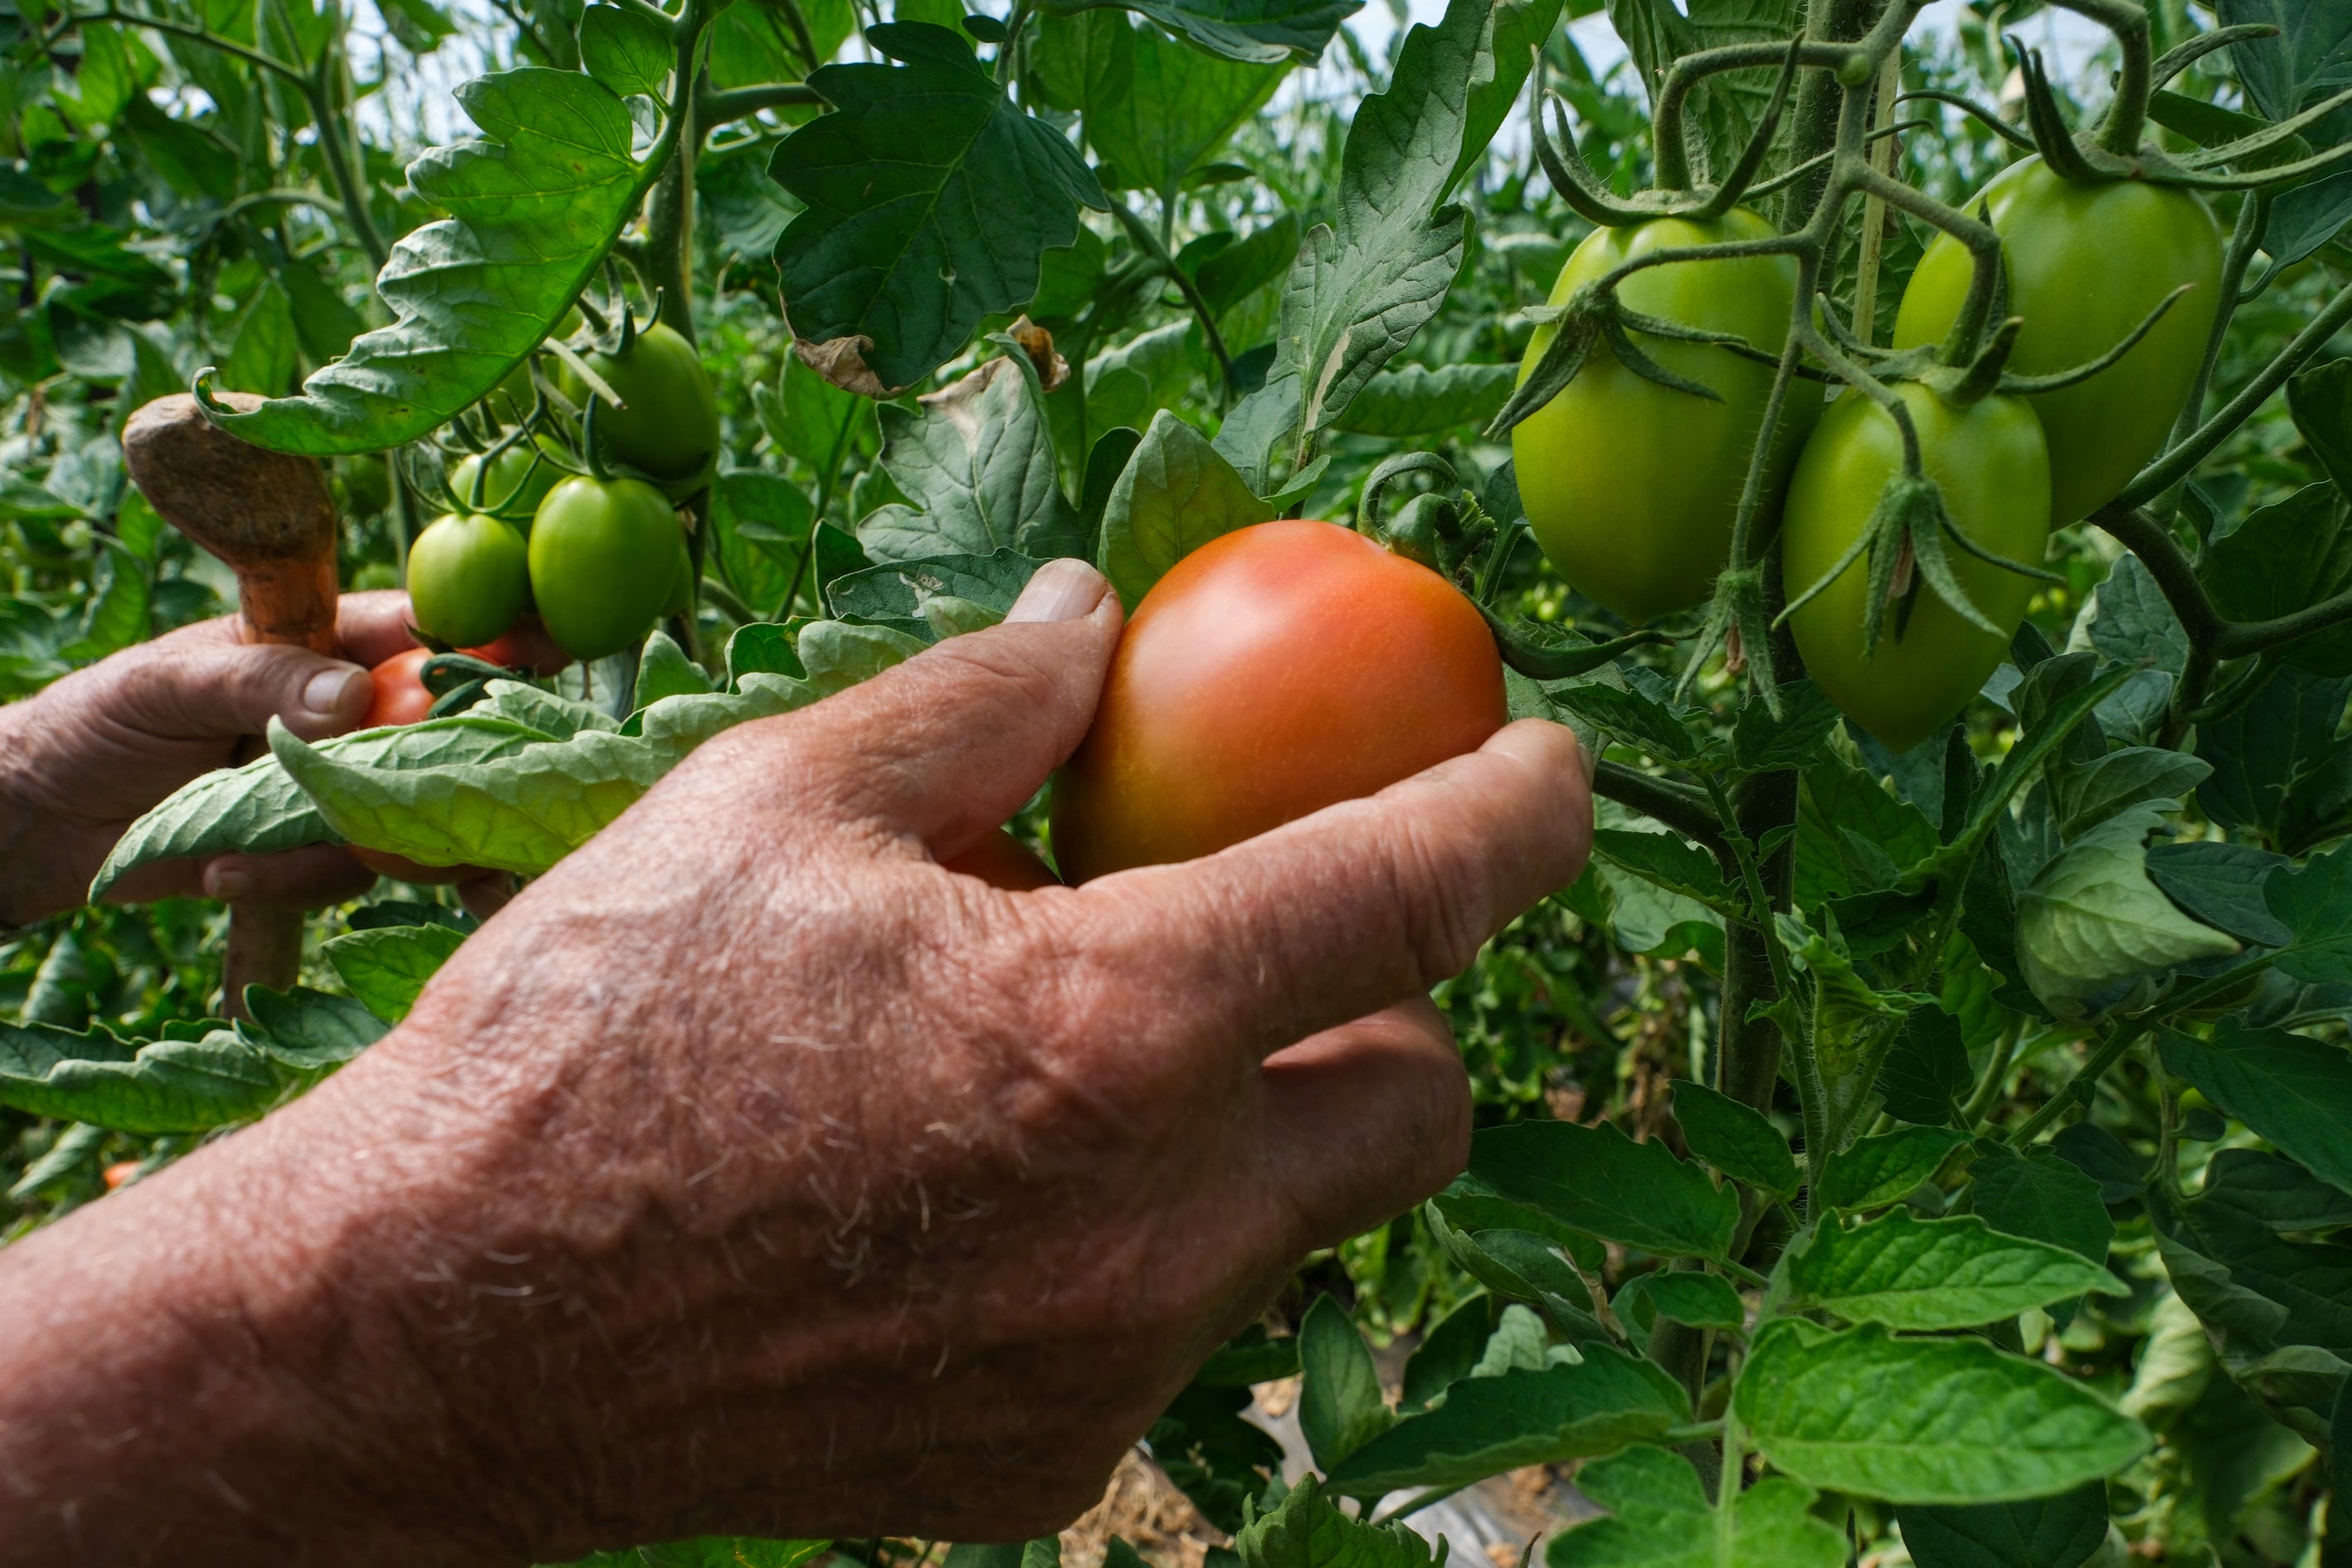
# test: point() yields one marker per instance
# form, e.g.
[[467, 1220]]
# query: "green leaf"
[[2039, 1195], [1659, 1517], [1454, 1347], [978, 464], [1364, 284], [1176, 493], [1735, 1139], [1524, 1265], [1340, 1403], [1261, 30], [519, 813], [839, 655], [1871, 1173], [2091, 921], [140, 1088], [1702, 1300], [2293, 1090], [259, 810], [1912, 1273], [897, 593], [386, 967], [1927, 1077], [1305, 1530], [534, 209], [1762, 744], [664, 670], [311, 1028], [1924, 1420], [930, 199], [1249, 1357], [2086, 797], [1418, 401], [2278, 1192], [2314, 901], [1214, 1456], [1489, 1424], [2059, 1531], [1642, 723], [1155, 109], [2257, 1289], [1599, 1181], [1672, 862], [2221, 884], [626, 51], [2279, 768], [261, 355]]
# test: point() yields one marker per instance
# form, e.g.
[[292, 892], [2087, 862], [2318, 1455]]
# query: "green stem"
[[713, 109], [1151, 246], [2110, 1050], [1679, 806], [2181, 460], [1996, 1074]]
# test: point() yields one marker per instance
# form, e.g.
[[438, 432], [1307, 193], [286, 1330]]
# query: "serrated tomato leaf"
[[1489, 1424], [535, 204], [1913, 1420], [388, 966], [1659, 1516], [932, 199], [1951, 1273], [1599, 1181]]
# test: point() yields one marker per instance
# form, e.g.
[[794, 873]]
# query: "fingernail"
[[1061, 590], [227, 883], [1587, 758], [333, 691]]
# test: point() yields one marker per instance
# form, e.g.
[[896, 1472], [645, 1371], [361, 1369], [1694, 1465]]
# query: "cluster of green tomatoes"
[[1631, 486], [598, 554]]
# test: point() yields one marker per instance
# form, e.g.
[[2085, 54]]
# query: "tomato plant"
[[1231, 707], [1916, 1137], [1992, 462], [468, 578]]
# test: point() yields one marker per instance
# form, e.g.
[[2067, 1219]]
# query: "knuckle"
[[1442, 901]]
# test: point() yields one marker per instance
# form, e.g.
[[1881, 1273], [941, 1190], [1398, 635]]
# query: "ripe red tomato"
[[1274, 672], [121, 1174], [524, 645], [401, 698], [400, 694], [1002, 861]]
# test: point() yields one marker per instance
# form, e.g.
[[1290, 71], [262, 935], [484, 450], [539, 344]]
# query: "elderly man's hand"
[[86, 758], [753, 1174]]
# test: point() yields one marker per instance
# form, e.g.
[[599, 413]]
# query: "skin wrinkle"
[[797, 1187]]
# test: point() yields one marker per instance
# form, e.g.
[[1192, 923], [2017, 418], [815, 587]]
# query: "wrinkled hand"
[[82, 760], [750, 1173]]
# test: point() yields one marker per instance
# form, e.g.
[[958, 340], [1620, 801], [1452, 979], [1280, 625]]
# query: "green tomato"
[[604, 554], [2086, 264], [518, 480], [669, 427], [1630, 487], [468, 578], [1993, 467]]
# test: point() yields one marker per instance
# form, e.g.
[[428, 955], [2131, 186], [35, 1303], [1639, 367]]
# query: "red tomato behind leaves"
[[1272, 672], [400, 694]]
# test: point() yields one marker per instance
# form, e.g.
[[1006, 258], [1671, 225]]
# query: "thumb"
[[196, 688], [948, 744]]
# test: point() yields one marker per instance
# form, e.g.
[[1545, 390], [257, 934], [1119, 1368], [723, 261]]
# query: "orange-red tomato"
[[1274, 672], [401, 698], [120, 1174], [524, 645], [400, 694], [1002, 861]]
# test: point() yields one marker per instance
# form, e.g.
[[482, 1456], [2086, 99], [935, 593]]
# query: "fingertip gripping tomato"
[[1630, 487], [468, 578], [2085, 265], [1992, 465], [1275, 671], [604, 557]]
